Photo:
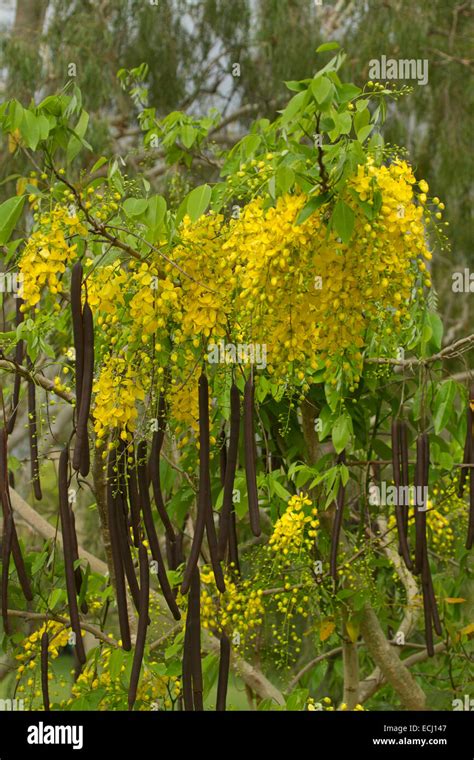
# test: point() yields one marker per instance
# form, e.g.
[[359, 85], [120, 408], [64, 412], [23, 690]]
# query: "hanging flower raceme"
[[295, 529], [47, 253]]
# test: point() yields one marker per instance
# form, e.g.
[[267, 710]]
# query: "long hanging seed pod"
[[69, 554], [81, 458], [7, 510], [420, 513], [77, 329], [44, 670], [223, 678], [405, 478], [213, 547], [19, 352], [121, 594], [401, 509], [337, 523], [432, 598], [203, 495], [151, 531], [143, 619], [229, 470], [251, 457], [157, 443], [192, 668], [33, 436], [126, 553], [6, 551]]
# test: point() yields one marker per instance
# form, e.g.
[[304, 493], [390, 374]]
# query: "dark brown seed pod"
[[401, 509], [154, 466], [213, 548], [120, 592], [68, 551], [222, 454], [151, 530], [77, 329], [44, 671], [405, 477], [126, 553], [6, 551], [204, 495], [229, 472], [80, 459], [33, 436], [192, 668], [19, 353], [223, 678], [432, 598], [420, 513], [7, 510], [143, 619], [251, 457]]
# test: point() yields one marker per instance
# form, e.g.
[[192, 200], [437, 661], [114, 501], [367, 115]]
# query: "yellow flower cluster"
[[310, 297], [105, 288], [295, 530], [154, 300], [206, 278], [118, 388], [239, 611], [58, 637], [47, 253]]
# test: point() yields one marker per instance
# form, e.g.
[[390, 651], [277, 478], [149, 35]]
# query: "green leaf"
[[314, 203], [155, 215], [320, 88], [54, 597], [364, 132], [188, 135], [347, 92], [10, 212], [437, 330], [295, 105], [343, 220], [115, 663], [135, 206], [443, 404], [30, 129], [341, 432], [297, 700], [76, 141], [327, 46], [285, 178], [281, 490], [100, 162], [198, 201]]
